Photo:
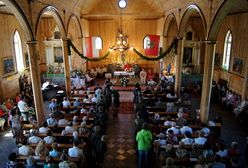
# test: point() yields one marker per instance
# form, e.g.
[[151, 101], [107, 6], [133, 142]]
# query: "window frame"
[[17, 42], [227, 51]]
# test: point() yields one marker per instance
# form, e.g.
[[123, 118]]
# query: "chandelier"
[[121, 43]]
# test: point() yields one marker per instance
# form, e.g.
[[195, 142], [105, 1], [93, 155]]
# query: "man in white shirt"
[[25, 150], [62, 122], [44, 129], [49, 139], [66, 103], [186, 128], [23, 107], [75, 151], [173, 128], [187, 140], [51, 121], [33, 139], [200, 140], [69, 129]]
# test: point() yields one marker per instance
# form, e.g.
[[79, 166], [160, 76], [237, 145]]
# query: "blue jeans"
[[143, 158]]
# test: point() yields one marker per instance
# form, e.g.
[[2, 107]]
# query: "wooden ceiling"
[[108, 9]]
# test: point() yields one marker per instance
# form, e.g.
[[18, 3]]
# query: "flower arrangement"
[[124, 81]]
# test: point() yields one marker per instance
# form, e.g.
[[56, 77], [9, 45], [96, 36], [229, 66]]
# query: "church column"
[[67, 68], [178, 66], [244, 90], [36, 82], [207, 80]]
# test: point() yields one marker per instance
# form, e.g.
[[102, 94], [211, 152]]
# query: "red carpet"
[[126, 108], [126, 99]]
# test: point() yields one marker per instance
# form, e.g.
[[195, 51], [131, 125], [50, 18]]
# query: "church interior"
[[124, 67]]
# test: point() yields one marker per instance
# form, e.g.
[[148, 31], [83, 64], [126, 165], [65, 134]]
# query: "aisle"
[[121, 145]]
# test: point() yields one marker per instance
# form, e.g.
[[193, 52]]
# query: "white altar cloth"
[[123, 73]]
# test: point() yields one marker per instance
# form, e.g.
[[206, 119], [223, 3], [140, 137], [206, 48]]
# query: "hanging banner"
[[90, 47], [151, 45]]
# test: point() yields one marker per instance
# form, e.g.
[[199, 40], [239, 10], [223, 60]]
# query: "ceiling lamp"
[[121, 44], [122, 4]]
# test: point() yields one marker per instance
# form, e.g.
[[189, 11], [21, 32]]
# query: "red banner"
[[152, 45]]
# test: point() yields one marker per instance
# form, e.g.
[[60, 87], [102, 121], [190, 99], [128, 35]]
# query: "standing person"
[[115, 101], [16, 125], [23, 107], [137, 96], [144, 139], [143, 77]]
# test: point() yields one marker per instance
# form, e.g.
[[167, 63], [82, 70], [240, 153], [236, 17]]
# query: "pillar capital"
[[32, 42], [209, 41]]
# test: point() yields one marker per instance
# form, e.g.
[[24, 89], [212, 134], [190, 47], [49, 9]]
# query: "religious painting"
[[218, 60], [8, 66], [58, 54], [238, 64], [187, 55]]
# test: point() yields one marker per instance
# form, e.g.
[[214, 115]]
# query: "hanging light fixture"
[[121, 44]]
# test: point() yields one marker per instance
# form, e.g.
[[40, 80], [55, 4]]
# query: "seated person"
[[62, 122], [44, 129], [54, 152], [168, 121], [89, 79], [160, 103], [49, 139], [65, 162], [77, 102], [69, 129], [51, 121], [173, 128], [185, 129], [171, 107], [75, 151], [13, 163], [171, 138], [52, 106], [205, 130], [75, 120], [161, 139], [200, 140], [41, 149], [187, 140], [66, 103], [25, 149], [180, 120], [86, 99], [83, 129], [33, 139]]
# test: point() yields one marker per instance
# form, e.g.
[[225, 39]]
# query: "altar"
[[124, 73]]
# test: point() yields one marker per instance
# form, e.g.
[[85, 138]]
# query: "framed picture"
[[238, 64], [58, 54], [8, 66], [218, 60], [187, 55]]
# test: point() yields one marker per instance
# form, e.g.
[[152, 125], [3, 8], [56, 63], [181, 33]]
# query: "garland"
[[161, 55], [71, 45]]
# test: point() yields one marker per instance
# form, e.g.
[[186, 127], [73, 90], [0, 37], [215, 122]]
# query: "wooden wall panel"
[[45, 31], [136, 31], [8, 26], [76, 61], [239, 48]]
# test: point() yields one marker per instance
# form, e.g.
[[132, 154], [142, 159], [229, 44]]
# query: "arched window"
[[18, 52], [147, 42], [98, 43], [227, 51]]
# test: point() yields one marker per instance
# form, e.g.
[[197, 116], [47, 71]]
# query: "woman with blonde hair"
[[41, 149]]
